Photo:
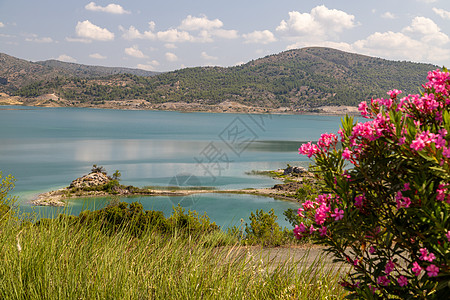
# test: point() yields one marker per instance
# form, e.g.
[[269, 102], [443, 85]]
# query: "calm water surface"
[[46, 148]]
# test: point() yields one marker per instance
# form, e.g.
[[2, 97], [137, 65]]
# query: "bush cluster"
[[387, 202]]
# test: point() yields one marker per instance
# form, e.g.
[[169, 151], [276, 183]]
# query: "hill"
[[17, 73], [297, 80], [93, 71]]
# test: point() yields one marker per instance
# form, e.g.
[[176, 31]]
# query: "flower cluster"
[[386, 193]]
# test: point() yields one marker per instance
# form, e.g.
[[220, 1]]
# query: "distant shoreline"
[[51, 100]]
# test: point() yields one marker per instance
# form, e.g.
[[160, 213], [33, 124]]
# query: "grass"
[[60, 260]]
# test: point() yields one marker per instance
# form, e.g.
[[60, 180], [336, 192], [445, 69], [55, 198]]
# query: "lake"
[[46, 148]]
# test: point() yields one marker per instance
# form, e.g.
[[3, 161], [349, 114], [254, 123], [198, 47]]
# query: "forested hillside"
[[298, 79]]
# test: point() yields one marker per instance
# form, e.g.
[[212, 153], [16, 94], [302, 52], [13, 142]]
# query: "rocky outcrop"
[[90, 180], [295, 171]]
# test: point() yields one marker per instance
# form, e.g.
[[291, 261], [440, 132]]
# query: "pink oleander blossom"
[[300, 212], [326, 140], [406, 187], [402, 281], [425, 255], [346, 154], [363, 109], [307, 205], [416, 269], [298, 231], [432, 271], [309, 149], [389, 267], [393, 93], [323, 231], [383, 280], [338, 214], [359, 201]]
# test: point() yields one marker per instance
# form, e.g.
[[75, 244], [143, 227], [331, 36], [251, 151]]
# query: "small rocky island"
[[98, 184]]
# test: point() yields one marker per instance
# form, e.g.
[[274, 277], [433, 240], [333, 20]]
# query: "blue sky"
[[173, 34]]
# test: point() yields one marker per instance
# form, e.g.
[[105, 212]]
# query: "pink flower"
[[406, 187], [300, 212], [402, 281], [359, 201], [323, 231], [311, 229], [326, 140], [308, 149], [338, 214], [418, 144], [426, 256], [362, 107], [432, 271], [383, 280], [416, 268], [389, 267], [447, 235], [298, 230], [307, 205], [346, 154], [394, 93]]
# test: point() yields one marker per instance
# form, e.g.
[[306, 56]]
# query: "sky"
[[166, 35]]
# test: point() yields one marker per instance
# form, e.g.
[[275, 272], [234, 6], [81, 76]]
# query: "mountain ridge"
[[296, 80]]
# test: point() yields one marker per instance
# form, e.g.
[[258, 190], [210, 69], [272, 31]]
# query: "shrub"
[[264, 229], [387, 202]]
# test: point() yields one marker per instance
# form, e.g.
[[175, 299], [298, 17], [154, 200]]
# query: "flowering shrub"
[[386, 206]]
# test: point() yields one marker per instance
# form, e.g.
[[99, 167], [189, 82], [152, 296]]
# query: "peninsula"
[[98, 184]]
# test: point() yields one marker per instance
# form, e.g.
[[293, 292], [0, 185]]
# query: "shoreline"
[[57, 198], [283, 191], [223, 107]]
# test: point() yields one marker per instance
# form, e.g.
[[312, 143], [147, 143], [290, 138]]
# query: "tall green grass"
[[57, 260]]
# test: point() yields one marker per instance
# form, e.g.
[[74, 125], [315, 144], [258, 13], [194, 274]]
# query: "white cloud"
[[226, 34], [170, 46], [2, 25], [66, 58], [174, 36], [132, 33], [76, 40], [427, 31], [97, 56], [135, 52], [207, 29], [442, 13], [36, 39], [150, 66], [195, 23], [427, 1], [171, 56], [320, 23], [88, 30], [260, 37], [406, 45], [388, 15], [205, 56], [151, 25], [110, 8]]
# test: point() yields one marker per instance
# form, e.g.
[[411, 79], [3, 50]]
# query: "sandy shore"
[[51, 100]]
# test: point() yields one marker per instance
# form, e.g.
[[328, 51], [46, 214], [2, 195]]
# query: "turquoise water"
[[46, 148]]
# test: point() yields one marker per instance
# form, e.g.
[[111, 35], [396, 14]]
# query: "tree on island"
[[98, 169]]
